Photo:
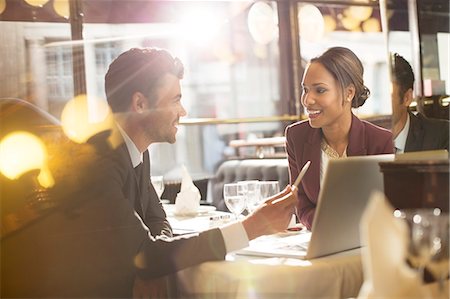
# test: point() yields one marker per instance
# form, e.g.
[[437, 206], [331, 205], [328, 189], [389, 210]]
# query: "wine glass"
[[252, 196], [235, 199], [268, 189], [421, 246], [439, 262], [263, 190], [424, 243], [158, 184]]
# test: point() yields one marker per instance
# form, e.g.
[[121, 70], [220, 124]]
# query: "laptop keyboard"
[[300, 246], [282, 244]]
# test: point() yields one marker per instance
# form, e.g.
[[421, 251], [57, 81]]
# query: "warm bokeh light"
[[83, 117], [37, 3], [350, 23], [330, 23], [21, 152], [262, 23], [371, 25], [61, 7], [45, 178], [311, 23], [360, 13], [2, 5]]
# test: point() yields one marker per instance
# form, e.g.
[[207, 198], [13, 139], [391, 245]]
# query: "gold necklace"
[[330, 152]]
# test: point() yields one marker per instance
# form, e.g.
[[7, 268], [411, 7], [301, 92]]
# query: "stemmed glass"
[[262, 191], [158, 184], [420, 243], [428, 246], [252, 196], [268, 189], [235, 199], [439, 262]]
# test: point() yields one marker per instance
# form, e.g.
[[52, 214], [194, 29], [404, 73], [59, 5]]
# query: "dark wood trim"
[[290, 59], [76, 27]]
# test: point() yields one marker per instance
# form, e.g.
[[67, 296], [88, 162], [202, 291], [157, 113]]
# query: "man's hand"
[[273, 216]]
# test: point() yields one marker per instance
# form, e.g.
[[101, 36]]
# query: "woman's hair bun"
[[361, 98]]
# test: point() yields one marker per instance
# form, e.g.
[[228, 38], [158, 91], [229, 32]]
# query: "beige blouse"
[[328, 153]]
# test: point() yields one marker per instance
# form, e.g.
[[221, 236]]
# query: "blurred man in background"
[[413, 132]]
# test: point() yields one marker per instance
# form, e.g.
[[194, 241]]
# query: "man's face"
[[398, 107], [160, 123]]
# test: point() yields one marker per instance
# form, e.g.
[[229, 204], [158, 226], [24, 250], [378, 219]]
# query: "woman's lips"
[[313, 113]]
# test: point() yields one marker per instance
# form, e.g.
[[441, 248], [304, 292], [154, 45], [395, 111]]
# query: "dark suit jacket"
[[303, 144], [140, 192], [92, 243], [426, 133]]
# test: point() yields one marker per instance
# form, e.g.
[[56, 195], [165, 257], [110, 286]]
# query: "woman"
[[332, 85]]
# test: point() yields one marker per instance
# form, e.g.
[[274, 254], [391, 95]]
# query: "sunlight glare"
[[199, 27]]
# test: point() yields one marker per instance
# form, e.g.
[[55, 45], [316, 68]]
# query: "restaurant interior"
[[243, 67]]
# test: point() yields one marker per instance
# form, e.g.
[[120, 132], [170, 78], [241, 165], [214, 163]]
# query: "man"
[[107, 235], [144, 93], [413, 132]]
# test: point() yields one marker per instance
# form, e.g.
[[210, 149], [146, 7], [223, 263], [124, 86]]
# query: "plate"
[[206, 209], [202, 210]]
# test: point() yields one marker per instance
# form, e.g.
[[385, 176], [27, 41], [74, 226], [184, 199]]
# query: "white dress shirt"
[[400, 140], [234, 234], [135, 155]]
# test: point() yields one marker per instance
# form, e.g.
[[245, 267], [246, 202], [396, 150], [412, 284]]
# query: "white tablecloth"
[[338, 276], [206, 218], [244, 277]]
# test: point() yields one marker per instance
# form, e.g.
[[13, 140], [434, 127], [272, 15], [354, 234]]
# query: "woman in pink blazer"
[[332, 85]]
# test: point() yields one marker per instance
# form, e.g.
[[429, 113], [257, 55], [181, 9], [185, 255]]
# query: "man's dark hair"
[[403, 75], [138, 70]]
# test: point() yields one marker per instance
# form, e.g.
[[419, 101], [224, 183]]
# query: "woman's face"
[[322, 98]]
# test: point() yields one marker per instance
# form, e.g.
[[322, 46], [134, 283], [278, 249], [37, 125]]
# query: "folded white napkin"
[[187, 201], [384, 258]]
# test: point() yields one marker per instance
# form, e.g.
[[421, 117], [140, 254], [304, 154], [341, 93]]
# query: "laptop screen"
[[346, 188]]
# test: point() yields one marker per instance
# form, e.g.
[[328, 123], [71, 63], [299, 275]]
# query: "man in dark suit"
[[413, 132], [107, 226], [143, 90]]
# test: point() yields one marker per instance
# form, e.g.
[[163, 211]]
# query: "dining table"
[[273, 277], [243, 275]]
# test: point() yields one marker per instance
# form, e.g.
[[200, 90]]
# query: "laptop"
[[346, 188]]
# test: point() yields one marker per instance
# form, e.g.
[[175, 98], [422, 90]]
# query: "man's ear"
[[408, 97], [138, 102]]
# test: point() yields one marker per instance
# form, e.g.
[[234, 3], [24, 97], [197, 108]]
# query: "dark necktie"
[[137, 200]]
